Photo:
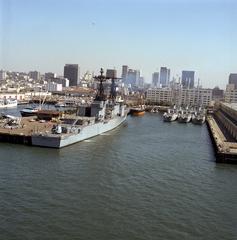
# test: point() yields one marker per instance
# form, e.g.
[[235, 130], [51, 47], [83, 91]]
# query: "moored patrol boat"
[[199, 117], [170, 116], [184, 117]]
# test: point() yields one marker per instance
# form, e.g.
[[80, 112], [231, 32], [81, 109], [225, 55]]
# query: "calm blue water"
[[144, 180]]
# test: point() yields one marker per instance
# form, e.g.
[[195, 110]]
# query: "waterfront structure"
[[3, 75], [35, 75], [217, 94], [23, 95], [231, 93], [71, 72], [13, 94], [195, 97], [188, 79], [231, 89], [111, 73], [164, 76], [155, 79], [159, 95], [233, 79], [60, 80], [54, 87], [226, 114], [222, 125], [181, 96]]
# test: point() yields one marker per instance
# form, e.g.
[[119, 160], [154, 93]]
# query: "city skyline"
[[144, 35]]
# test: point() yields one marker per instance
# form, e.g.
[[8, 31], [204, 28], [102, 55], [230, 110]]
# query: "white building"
[[23, 96], [231, 93], [54, 87], [160, 95], [190, 97], [194, 96], [60, 80]]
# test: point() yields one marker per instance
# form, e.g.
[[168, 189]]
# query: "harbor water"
[[144, 180]]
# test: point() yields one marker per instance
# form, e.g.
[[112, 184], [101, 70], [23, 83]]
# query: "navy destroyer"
[[104, 114]]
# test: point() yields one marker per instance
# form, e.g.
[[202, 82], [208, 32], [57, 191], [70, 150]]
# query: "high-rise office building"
[[233, 79], [133, 77], [49, 75], [34, 75], [124, 72], [71, 72], [164, 76], [188, 79], [155, 79], [141, 82], [3, 75], [111, 73]]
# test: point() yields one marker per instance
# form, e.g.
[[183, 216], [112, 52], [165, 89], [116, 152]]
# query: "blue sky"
[[143, 34]]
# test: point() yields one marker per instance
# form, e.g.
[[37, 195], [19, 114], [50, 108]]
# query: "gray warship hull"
[[83, 133]]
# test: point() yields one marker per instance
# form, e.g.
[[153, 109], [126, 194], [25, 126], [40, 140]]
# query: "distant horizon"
[[181, 35]]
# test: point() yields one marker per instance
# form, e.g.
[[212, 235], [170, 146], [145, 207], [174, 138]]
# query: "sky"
[[199, 35]]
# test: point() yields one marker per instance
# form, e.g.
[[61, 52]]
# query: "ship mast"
[[100, 96]]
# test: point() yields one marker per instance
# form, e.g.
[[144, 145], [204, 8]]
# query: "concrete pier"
[[226, 151], [21, 134]]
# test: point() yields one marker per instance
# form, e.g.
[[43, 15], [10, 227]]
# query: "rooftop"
[[230, 105]]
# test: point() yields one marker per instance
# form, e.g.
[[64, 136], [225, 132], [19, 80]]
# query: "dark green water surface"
[[145, 180]]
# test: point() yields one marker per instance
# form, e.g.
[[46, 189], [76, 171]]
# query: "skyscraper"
[[133, 77], [155, 79], [164, 76], [34, 75], [71, 72], [3, 75], [49, 75], [188, 79], [124, 72], [111, 73], [233, 79]]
